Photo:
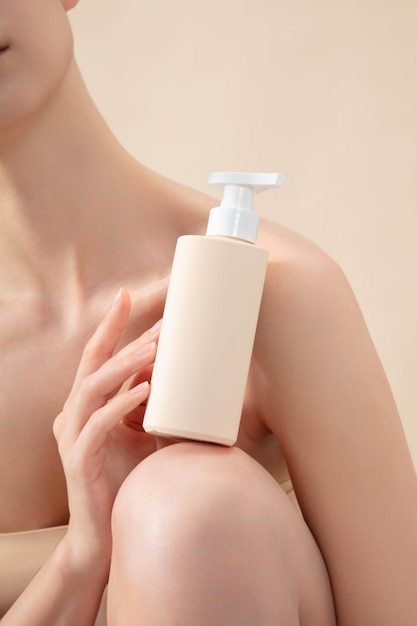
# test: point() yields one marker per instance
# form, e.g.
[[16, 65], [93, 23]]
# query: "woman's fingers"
[[152, 334], [105, 339], [94, 435], [97, 388], [101, 376]]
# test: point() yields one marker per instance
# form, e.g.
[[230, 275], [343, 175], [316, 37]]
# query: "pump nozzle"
[[235, 216]]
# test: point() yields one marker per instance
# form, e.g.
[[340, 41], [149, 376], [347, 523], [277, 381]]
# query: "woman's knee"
[[208, 483], [194, 517]]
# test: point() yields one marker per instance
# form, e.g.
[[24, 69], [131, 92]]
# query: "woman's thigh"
[[204, 535]]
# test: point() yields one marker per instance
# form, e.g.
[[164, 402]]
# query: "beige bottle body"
[[205, 347]]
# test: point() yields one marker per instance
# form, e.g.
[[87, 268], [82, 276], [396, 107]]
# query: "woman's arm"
[[100, 441], [66, 591], [324, 394]]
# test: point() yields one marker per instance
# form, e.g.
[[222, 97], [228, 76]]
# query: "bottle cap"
[[235, 216]]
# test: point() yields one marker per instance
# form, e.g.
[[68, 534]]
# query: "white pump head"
[[235, 216]]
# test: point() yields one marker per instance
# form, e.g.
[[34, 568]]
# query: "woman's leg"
[[203, 535]]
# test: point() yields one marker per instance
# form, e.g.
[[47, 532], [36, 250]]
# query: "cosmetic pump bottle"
[[211, 312]]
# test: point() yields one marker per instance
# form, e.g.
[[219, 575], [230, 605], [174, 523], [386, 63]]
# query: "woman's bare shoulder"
[[184, 207]]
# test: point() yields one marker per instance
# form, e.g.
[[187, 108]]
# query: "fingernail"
[[140, 388], [156, 327], [148, 347], [117, 298]]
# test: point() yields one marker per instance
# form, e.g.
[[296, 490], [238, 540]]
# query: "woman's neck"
[[63, 180]]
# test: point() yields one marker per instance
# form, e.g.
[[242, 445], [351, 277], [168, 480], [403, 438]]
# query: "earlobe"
[[69, 4]]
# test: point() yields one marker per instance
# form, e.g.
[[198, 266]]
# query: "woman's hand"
[[99, 432]]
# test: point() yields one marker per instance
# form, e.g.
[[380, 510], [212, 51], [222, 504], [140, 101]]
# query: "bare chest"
[[38, 361], [37, 369], [34, 381]]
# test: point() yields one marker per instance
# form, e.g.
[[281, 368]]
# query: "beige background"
[[324, 91]]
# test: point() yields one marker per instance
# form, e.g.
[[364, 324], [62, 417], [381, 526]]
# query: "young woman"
[[185, 534]]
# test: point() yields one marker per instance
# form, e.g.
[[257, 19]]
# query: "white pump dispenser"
[[211, 312], [235, 216]]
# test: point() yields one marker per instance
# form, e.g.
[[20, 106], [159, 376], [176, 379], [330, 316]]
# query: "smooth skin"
[[80, 217]]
